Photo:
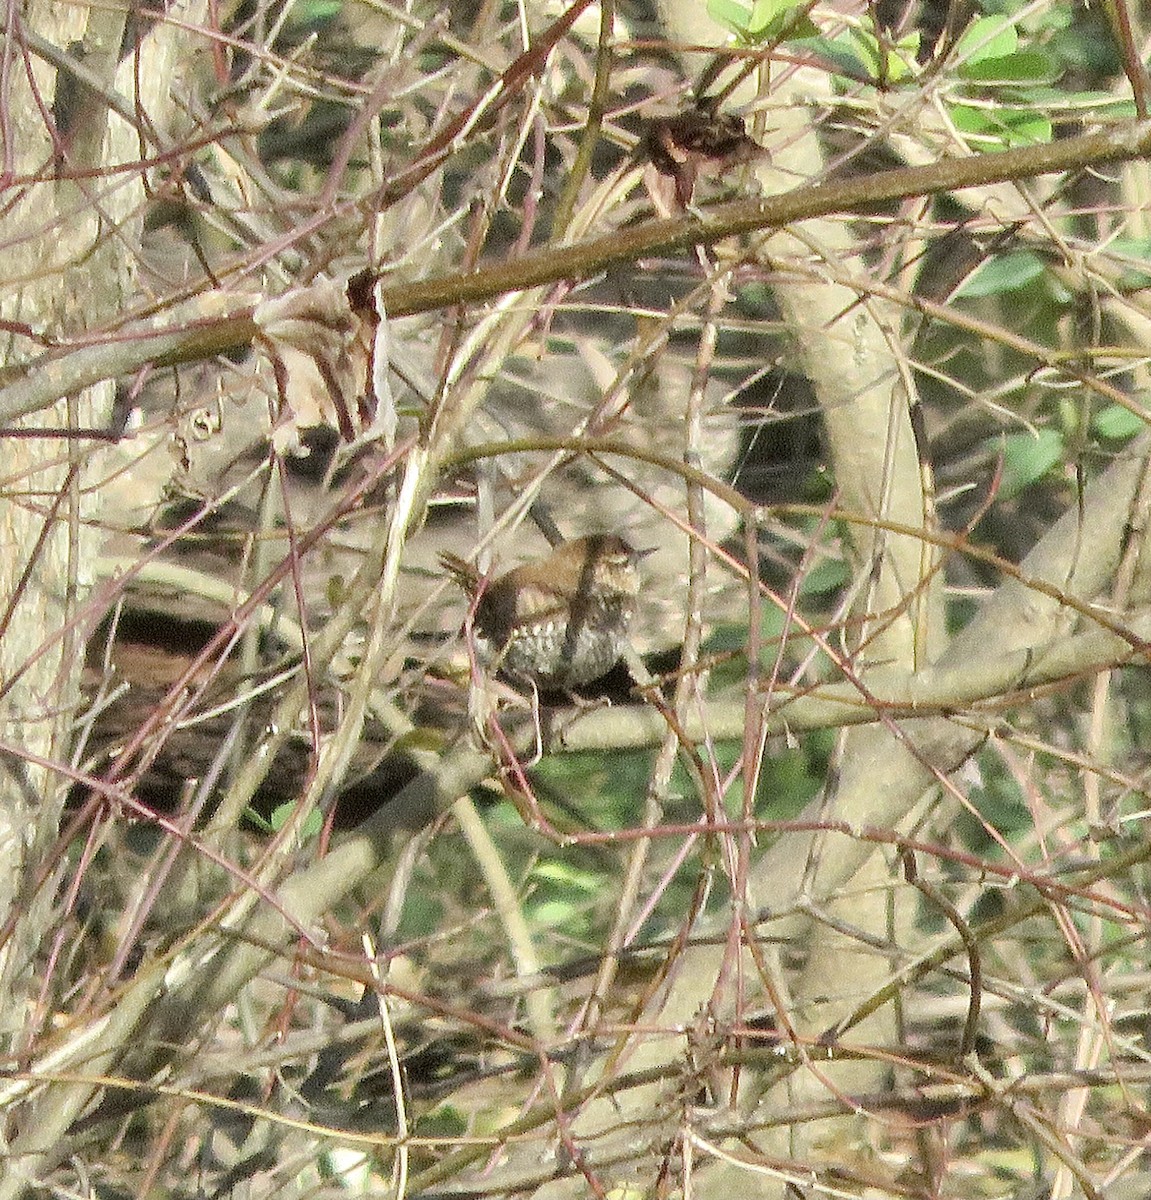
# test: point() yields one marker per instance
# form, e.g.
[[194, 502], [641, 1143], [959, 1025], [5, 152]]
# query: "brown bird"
[[560, 622]]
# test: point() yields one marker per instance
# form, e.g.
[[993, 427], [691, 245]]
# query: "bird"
[[560, 622]]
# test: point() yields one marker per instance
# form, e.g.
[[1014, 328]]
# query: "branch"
[[220, 322]]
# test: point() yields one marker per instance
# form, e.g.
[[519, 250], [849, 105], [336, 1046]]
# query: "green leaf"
[[824, 577], [858, 55], [1001, 126], [765, 13], [893, 64], [568, 876], [1004, 273], [729, 13], [988, 37], [1117, 423], [779, 18], [282, 813], [316, 12], [1027, 66], [840, 52], [764, 20], [280, 816], [1027, 457], [257, 819], [801, 28]]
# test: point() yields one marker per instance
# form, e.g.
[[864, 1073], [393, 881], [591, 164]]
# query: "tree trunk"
[[71, 238]]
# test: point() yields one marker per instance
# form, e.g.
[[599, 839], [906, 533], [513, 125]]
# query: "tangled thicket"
[[834, 887]]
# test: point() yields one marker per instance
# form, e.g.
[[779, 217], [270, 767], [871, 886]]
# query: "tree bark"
[[71, 238]]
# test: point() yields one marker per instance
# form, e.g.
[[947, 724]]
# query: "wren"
[[560, 622]]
